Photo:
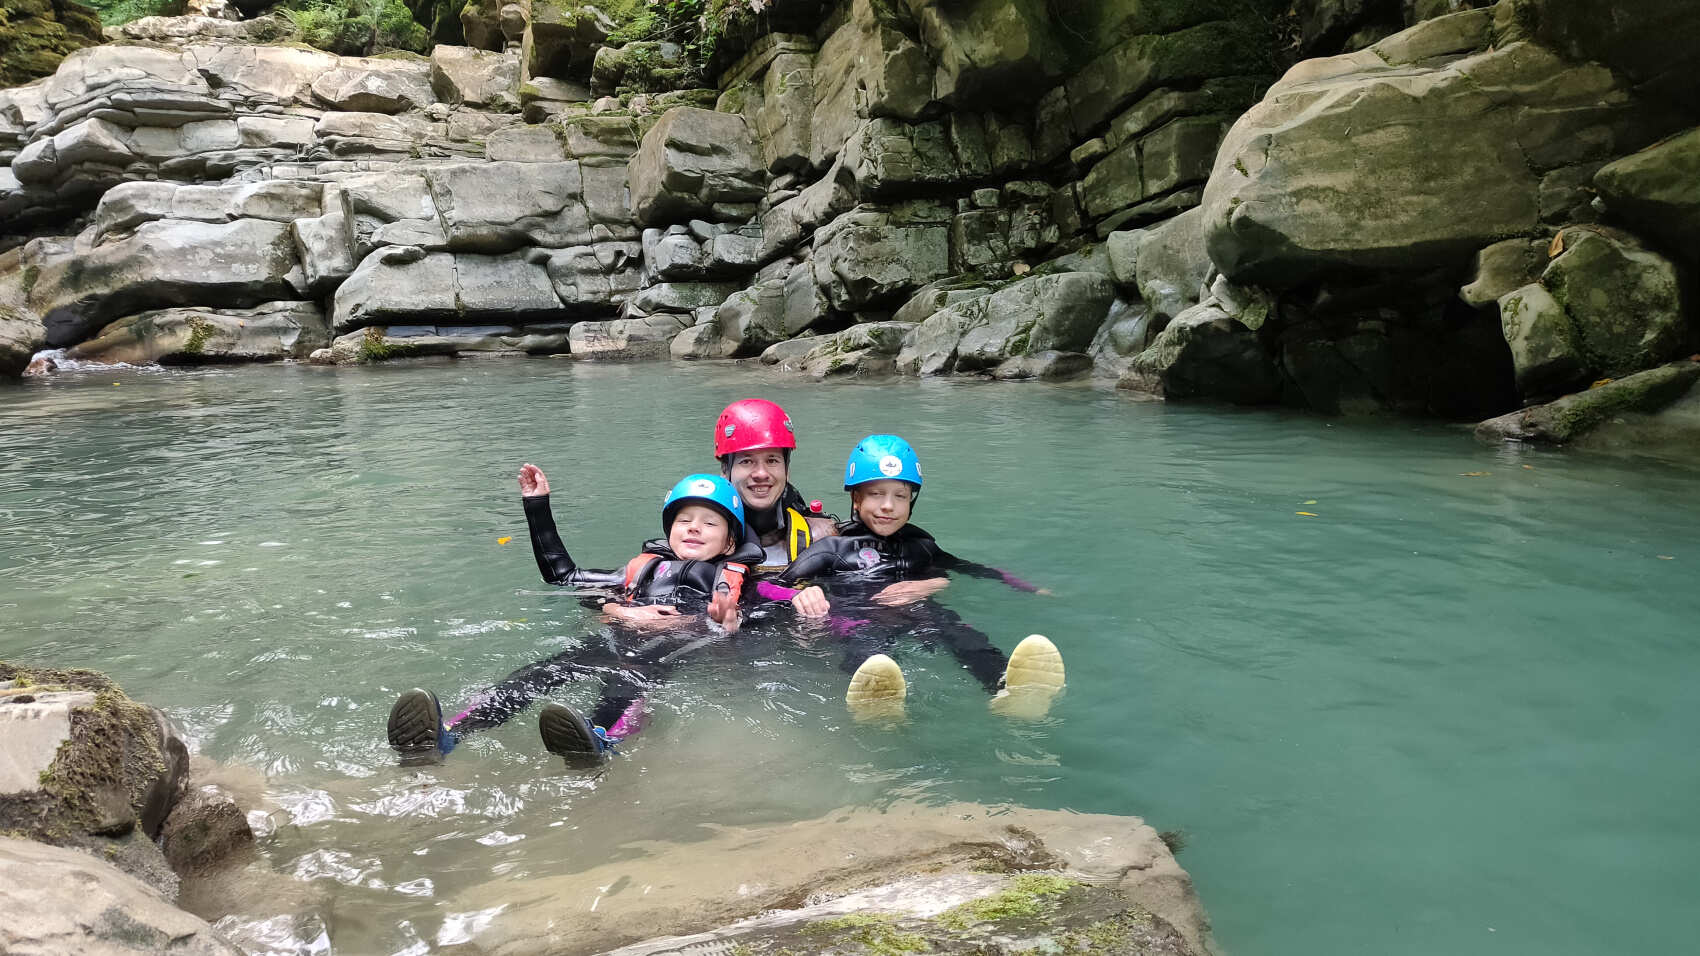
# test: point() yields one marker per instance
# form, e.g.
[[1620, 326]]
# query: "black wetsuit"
[[627, 660], [860, 563]]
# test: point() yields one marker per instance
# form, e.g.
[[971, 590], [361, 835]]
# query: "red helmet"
[[752, 423]]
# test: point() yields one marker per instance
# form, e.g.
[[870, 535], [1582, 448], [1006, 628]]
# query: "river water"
[[1403, 692]]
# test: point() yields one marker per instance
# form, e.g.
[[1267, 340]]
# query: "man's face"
[[760, 476]]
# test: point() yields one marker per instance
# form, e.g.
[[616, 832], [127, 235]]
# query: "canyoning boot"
[[1031, 680], [566, 734], [416, 728], [877, 689]]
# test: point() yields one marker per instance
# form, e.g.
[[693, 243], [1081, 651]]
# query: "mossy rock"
[[35, 35], [121, 765]]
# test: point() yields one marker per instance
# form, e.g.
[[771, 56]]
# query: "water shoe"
[[1031, 680], [416, 728], [566, 734], [877, 689]]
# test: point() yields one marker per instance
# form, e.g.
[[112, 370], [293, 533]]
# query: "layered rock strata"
[[1484, 206]]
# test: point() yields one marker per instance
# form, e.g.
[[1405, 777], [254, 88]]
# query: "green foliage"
[[697, 25], [115, 12], [357, 27]]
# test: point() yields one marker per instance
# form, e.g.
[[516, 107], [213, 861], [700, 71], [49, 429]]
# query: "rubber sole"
[[877, 688], [567, 734], [416, 726], [1032, 679]]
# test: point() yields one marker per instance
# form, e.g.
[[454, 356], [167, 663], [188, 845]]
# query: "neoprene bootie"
[[877, 689], [1031, 679], [416, 728], [567, 734]]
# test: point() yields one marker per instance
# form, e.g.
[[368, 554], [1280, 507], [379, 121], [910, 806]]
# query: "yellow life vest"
[[797, 537]]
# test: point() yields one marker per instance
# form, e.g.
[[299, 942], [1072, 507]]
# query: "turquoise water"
[[1454, 711]]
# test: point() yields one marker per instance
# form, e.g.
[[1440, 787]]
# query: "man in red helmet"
[[753, 438]]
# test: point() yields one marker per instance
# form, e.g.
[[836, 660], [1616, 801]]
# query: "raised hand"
[[532, 482], [811, 602]]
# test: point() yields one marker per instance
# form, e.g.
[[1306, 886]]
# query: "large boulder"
[[878, 870], [691, 162], [990, 51], [497, 207], [1204, 352], [1657, 192], [58, 900], [167, 262], [773, 87], [22, 333], [1605, 307], [378, 343], [372, 85], [267, 333], [476, 78], [83, 765], [563, 38], [867, 67], [1316, 179]]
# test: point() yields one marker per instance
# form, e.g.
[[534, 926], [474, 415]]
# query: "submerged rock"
[[1643, 396], [960, 878]]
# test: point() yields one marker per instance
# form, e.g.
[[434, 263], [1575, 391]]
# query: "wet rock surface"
[[955, 878]]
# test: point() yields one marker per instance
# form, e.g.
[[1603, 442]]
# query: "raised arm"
[[553, 561]]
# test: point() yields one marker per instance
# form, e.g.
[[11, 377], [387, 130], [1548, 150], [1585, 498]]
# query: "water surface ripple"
[[1451, 710]]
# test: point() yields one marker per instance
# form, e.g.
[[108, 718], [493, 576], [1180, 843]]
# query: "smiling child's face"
[[883, 505], [699, 533]]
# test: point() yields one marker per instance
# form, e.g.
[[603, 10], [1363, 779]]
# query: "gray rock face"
[[403, 284], [1059, 312], [477, 78], [1204, 352], [1657, 191], [780, 104], [268, 333], [1503, 267], [365, 85], [690, 161], [378, 343], [626, 338], [1047, 366], [64, 901], [866, 67], [702, 342], [1169, 266], [1294, 194], [237, 264], [872, 258], [21, 332]]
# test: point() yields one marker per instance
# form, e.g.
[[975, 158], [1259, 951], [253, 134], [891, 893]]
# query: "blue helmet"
[[878, 457], [711, 490]]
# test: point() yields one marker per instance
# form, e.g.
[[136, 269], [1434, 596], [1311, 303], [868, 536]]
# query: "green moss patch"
[[1029, 896]]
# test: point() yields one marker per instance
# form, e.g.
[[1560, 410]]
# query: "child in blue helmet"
[[878, 545], [698, 567]]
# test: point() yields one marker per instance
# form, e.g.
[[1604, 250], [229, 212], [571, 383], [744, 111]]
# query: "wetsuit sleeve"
[[945, 561], [818, 560], [553, 561]]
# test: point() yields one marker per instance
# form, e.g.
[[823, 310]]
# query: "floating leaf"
[[1666, 557], [503, 540], [1474, 474], [1603, 381], [1530, 467], [1557, 244], [1311, 501], [1307, 514]]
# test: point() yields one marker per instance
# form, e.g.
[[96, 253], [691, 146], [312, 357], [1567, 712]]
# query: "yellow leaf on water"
[[1474, 474], [1666, 557], [1307, 514], [1530, 467], [1557, 245], [1311, 501], [1603, 381], [503, 540]]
